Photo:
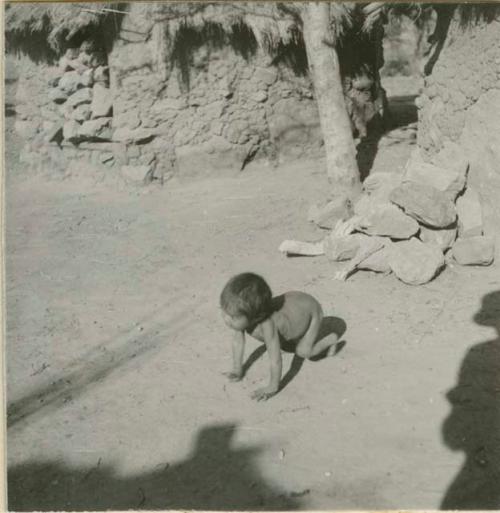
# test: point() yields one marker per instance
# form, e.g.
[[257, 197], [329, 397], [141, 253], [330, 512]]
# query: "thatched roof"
[[271, 22], [44, 30], [56, 24], [468, 14], [274, 27], [37, 28]]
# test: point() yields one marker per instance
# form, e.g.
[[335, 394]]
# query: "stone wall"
[[225, 109], [461, 98], [63, 112], [36, 115], [154, 119], [197, 106]]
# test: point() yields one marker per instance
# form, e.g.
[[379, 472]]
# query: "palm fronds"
[[273, 23]]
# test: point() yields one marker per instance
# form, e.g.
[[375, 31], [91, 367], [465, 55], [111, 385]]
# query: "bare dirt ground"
[[115, 349]]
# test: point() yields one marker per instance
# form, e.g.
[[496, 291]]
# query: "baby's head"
[[245, 300]]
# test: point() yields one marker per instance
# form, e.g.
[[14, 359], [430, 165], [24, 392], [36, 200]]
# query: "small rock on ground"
[[377, 262], [425, 203], [327, 215], [340, 248], [478, 250], [450, 180], [388, 220], [470, 214], [415, 262]]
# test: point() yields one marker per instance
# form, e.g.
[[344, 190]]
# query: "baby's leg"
[[309, 346], [328, 343]]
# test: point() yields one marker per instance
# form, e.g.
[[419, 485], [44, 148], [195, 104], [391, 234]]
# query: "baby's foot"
[[335, 348]]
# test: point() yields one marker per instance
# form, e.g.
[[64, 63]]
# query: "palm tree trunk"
[[342, 169]]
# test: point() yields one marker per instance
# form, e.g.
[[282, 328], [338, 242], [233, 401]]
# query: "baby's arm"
[[238, 350], [272, 341]]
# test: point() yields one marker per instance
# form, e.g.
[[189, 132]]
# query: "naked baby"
[[293, 318]]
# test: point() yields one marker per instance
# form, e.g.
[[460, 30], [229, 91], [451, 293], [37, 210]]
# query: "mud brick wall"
[[129, 108], [36, 114], [60, 108], [224, 111], [461, 98], [233, 111]]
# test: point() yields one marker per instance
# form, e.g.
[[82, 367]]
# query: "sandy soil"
[[115, 349]]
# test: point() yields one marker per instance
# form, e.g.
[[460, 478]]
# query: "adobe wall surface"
[[231, 109], [461, 99], [126, 108]]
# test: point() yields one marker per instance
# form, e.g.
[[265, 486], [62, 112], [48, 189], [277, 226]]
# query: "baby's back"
[[293, 312]]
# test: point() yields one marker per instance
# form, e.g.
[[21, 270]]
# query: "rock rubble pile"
[[410, 225]]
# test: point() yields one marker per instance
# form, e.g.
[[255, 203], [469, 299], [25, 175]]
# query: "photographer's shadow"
[[330, 326], [473, 425]]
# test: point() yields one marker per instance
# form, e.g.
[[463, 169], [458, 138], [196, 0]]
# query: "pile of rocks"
[[81, 89], [410, 225]]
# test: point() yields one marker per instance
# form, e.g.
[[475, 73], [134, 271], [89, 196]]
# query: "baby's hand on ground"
[[263, 394], [233, 376]]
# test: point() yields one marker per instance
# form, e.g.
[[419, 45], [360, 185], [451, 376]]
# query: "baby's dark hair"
[[247, 294]]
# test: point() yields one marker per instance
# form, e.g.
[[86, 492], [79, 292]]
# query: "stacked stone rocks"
[[410, 225], [448, 209], [234, 110], [81, 89]]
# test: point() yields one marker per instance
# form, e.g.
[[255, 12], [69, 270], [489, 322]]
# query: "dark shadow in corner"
[[403, 111], [444, 16], [473, 425], [215, 476], [366, 151]]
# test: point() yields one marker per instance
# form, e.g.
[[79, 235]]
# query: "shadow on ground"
[[215, 476], [401, 119], [473, 425]]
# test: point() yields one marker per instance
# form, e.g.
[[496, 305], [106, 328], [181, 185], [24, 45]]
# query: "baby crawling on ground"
[[292, 318]]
